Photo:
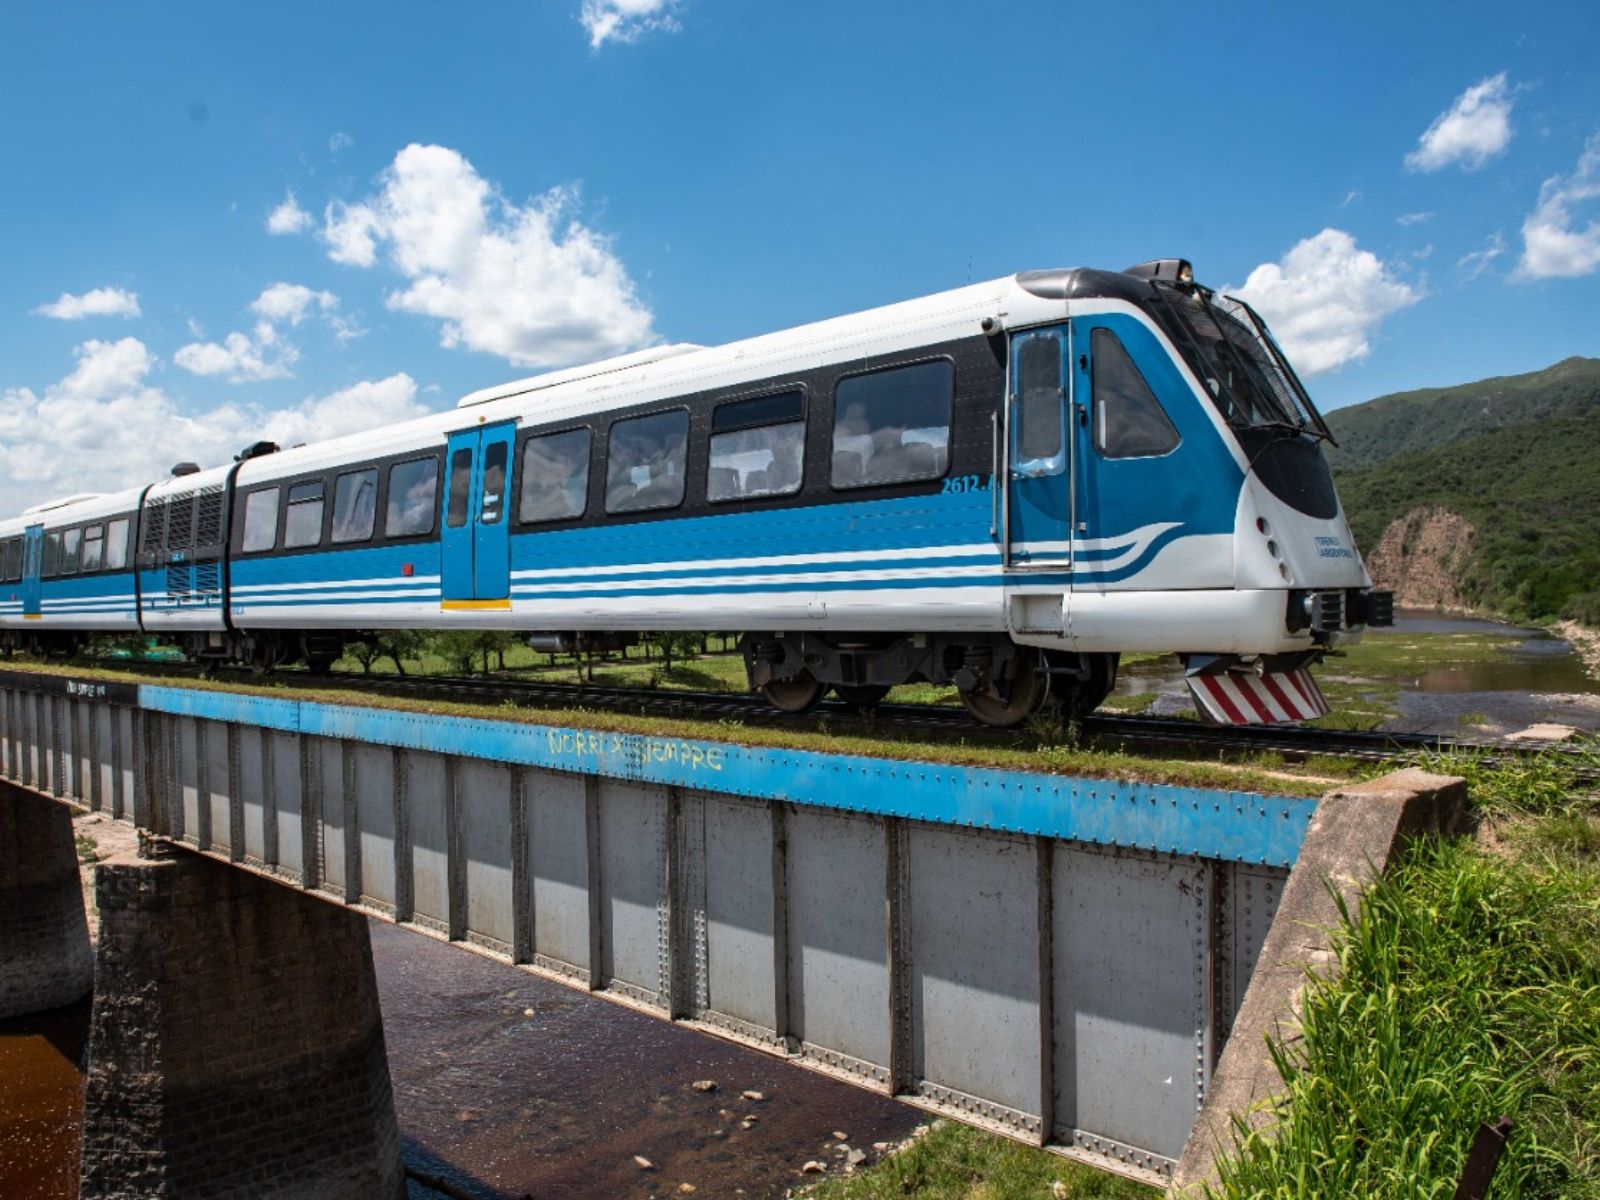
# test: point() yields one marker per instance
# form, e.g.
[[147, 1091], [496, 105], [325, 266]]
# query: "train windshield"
[[1229, 348]]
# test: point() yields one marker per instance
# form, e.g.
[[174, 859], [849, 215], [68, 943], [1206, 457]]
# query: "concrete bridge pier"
[[45, 959], [236, 1047]]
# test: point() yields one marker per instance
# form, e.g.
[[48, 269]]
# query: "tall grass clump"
[[1469, 990], [1534, 785]]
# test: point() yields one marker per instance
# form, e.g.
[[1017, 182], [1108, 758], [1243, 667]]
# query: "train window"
[[757, 448], [413, 493], [260, 521], [460, 488], [555, 476], [11, 560], [1040, 406], [892, 426], [52, 556], [494, 483], [1129, 421], [645, 462], [355, 505], [70, 539], [94, 546], [117, 544], [302, 524]]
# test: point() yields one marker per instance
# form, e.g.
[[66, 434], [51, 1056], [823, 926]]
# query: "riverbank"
[[1585, 643]]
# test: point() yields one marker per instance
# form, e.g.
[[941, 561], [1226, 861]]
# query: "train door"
[[32, 552], [1041, 456], [1130, 487], [475, 536]]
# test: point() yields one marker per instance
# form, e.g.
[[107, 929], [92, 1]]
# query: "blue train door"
[[32, 552], [1040, 452], [475, 536]]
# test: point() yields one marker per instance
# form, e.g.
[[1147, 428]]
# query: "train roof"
[[659, 372]]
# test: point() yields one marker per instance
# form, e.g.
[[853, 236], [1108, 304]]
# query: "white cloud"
[[355, 409], [291, 302], [627, 20], [99, 302], [242, 357], [1350, 198], [1470, 132], [1475, 264], [340, 141], [289, 217], [351, 233], [530, 283], [1552, 244], [105, 426], [1414, 218], [1325, 300]]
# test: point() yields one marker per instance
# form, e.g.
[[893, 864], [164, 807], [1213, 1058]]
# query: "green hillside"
[[1531, 488], [1410, 422]]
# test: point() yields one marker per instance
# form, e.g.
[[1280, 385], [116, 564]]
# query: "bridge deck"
[[1057, 958]]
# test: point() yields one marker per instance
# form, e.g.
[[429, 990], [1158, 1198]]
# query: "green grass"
[[1469, 990], [955, 1162]]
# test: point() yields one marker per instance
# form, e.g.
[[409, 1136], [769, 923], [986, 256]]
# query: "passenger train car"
[[1001, 487]]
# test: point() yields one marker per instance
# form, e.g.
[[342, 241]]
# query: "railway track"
[[1293, 742]]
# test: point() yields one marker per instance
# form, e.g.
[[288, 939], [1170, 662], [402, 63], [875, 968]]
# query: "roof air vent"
[[256, 450], [185, 468]]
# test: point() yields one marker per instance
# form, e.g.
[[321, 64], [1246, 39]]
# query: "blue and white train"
[[1001, 487]]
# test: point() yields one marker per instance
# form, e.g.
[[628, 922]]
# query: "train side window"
[[460, 488], [1040, 407], [94, 546], [413, 497], [1129, 421], [70, 539], [493, 507], [645, 462], [892, 426], [260, 521], [355, 505], [757, 448], [117, 544], [555, 477], [11, 560], [302, 524], [52, 556]]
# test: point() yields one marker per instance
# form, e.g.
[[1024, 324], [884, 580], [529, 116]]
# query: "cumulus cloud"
[[99, 302], [1470, 132], [1476, 263], [530, 283], [106, 426], [241, 357], [289, 217], [1325, 299], [291, 302], [627, 20], [1553, 244]]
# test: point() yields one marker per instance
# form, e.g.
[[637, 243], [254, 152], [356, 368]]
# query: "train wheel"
[[797, 695], [1080, 697], [861, 695], [1028, 692]]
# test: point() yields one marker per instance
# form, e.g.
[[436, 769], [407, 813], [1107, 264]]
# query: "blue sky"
[[465, 194]]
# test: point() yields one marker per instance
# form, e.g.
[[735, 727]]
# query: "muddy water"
[[41, 1103]]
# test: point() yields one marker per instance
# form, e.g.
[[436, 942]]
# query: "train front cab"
[[1139, 514]]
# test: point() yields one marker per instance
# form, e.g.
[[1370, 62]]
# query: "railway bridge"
[[1059, 959]]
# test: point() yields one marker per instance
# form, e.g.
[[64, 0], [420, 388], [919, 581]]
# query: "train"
[[1002, 488]]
